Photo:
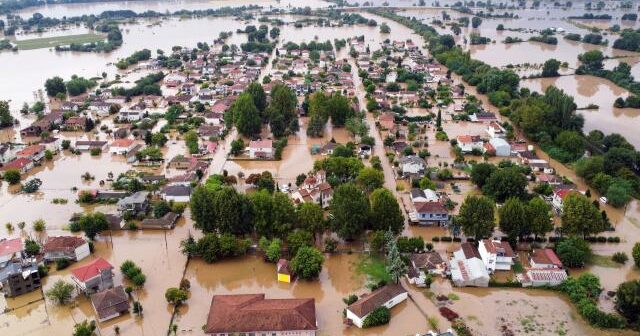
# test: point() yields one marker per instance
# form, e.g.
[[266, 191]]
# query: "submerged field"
[[50, 42]]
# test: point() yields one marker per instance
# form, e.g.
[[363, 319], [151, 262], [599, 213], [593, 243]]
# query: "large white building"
[[467, 267]]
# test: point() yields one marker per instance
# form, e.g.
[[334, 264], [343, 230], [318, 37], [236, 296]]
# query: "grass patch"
[[453, 297], [374, 268], [604, 261], [51, 42], [517, 267]]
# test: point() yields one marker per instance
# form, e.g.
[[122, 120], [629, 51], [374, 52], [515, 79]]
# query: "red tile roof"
[[495, 246], [546, 256], [91, 270], [253, 313], [31, 150], [122, 143], [18, 163], [63, 244], [430, 207], [10, 246]]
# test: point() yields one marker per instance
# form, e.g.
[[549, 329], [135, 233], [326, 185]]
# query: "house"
[[430, 261], [137, 202], [500, 147], [388, 296], [467, 267], [34, 153], [469, 143], [252, 314], [19, 277], [412, 165], [121, 146], [284, 271], [166, 222], [314, 189], [542, 277], [126, 115], [328, 148], [65, 247], [23, 165], [544, 258], [74, 124], [559, 194], [261, 149], [177, 193], [93, 277], [116, 222], [179, 162], [88, 145], [421, 196], [10, 249], [7, 153], [495, 130], [52, 144], [496, 255], [110, 303], [431, 213]]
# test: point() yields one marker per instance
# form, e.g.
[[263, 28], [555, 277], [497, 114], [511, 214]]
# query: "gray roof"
[[136, 198], [177, 190], [411, 159], [415, 193]]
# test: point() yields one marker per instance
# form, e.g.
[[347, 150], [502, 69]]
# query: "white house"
[[121, 146], [388, 296], [496, 255], [177, 193], [314, 189], [130, 115], [65, 247], [261, 149], [467, 267], [558, 197], [500, 146], [7, 153], [391, 77], [468, 143], [412, 164]]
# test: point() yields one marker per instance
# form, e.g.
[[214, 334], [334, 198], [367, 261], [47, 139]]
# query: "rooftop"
[[90, 270], [369, 302]]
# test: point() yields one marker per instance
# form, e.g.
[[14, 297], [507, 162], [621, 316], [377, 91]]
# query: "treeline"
[[138, 56], [114, 41], [596, 39], [57, 87], [629, 40], [311, 46], [321, 107], [147, 86], [591, 16]]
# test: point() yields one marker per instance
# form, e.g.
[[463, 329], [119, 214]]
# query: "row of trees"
[[57, 87], [322, 107]]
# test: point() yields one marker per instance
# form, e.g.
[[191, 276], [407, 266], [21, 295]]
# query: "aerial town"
[[319, 167]]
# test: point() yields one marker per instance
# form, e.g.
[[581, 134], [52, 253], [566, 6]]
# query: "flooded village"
[[400, 167]]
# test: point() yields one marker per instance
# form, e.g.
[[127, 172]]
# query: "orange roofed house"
[[252, 314], [93, 277]]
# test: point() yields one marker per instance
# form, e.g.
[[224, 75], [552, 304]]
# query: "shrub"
[[378, 316], [350, 299], [435, 239], [574, 252], [620, 257], [62, 264], [12, 176], [636, 254]]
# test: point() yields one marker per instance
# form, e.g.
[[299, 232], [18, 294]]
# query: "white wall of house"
[[178, 199], [82, 251]]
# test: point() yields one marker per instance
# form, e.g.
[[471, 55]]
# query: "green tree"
[[350, 210], [385, 211], [281, 109], [93, 223], [173, 112], [505, 183], [31, 247], [84, 328], [628, 300], [580, 216], [6, 119], [384, 28], [245, 115], [513, 219], [635, 253], [298, 239], [539, 217], [481, 173], [259, 96], [476, 216], [307, 263], [272, 252], [61, 292], [574, 252], [426, 183], [550, 68], [370, 179], [310, 217], [176, 296], [395, 266], [476, 22], [223, 210], [592, 60], [12, 176], [55, 86]]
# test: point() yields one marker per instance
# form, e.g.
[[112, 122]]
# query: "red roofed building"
[[314, 189], [34, 153], [496, 255], [537, 277], [23, 165], [559, 195], [431, 213], [9, 249], [544, 258], [261, 149], [252, 314], [93, 277], [121, 146], [65, 247]]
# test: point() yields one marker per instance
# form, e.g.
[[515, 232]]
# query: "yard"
[[50, 42]]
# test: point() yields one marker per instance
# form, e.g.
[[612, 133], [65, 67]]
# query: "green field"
[[50, 42]]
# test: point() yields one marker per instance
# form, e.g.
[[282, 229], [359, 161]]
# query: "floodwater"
[[593, 90], [78, 9]]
